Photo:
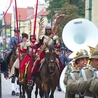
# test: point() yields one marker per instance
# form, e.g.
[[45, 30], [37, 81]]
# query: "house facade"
[[91, 7]]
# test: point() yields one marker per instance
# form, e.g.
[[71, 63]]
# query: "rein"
[[51, 75]]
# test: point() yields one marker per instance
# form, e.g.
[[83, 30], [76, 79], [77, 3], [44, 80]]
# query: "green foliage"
[[54, 5], [71, 8], [71, 12]]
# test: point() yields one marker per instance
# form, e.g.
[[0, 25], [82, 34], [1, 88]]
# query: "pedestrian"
[[3, 65]]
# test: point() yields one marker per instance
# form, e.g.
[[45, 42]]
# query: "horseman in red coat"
[[26, 50], [46, 40]]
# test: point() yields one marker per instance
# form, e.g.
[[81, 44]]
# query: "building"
[[91, 11], [26, 19]]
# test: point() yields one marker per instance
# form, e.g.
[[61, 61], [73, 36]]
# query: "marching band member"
[[94, 83], [88, 82], [71, 77]]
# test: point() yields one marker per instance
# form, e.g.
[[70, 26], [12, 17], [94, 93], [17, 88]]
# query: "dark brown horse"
[[10, 58], [49, 74]]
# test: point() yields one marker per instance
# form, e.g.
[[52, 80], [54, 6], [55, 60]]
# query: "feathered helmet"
[[94, 55], [48, 28]]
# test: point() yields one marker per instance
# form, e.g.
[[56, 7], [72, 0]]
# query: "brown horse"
[[10, 58], [49, 74]]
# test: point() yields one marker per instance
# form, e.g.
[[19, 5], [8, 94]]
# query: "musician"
[[72, 76], [49, 40], [94, 82], [88, 82]]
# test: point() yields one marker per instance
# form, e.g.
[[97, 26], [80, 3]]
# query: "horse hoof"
[[22, 96], [17, 94], [59, 89], [13, 93]]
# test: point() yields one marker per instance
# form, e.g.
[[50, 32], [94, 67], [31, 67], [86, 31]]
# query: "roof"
[[25, 13], [8, 18], [22, 13], [43, 13]]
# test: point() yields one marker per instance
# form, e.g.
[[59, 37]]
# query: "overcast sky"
[[20, 3]]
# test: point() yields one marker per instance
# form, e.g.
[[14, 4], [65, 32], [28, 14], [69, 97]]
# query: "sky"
[[20, 3]]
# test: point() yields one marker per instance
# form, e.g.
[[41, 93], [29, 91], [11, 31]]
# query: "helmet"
[[48, 28], [94, 55], [81, 54]]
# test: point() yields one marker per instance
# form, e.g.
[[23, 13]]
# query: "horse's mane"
[[48, 54]]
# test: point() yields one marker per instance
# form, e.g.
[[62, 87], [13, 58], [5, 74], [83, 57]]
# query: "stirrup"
[[30, 84], [21, 81]]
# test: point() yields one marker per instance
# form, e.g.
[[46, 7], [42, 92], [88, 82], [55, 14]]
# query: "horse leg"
[[17, 87], [36, 91], [20, 96], [41, 92], [46, 90], [29, 93], [46, 95], [23, 92], [52, 94], [13, 85]]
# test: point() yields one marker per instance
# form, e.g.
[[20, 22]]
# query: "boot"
[[31, 83], [21, 77]]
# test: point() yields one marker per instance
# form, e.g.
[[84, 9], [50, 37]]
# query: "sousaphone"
[[78, 34]]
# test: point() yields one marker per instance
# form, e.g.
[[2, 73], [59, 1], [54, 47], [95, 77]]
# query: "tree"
[[57, 4], [71, 8], [71, 12], [53, 6]]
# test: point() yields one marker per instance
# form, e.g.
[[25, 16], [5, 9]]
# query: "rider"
[[24, 57], [13, 40], [49, 40]]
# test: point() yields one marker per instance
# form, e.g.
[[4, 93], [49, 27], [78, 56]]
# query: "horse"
[[10, 58], [49, 75], [25, 86]]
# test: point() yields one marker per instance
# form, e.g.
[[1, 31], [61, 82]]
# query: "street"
[[6, 90]]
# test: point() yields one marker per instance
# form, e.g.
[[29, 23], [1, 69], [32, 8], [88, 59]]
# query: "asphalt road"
[[6, 90]]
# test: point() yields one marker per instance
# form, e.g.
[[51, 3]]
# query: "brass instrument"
[[77, 36]]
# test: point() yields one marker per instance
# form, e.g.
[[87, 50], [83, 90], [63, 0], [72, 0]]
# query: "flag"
[[8, 8]]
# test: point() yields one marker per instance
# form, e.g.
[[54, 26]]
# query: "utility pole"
[[90, 10]]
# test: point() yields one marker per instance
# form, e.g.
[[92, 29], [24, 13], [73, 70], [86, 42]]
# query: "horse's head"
[[51, 62]]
